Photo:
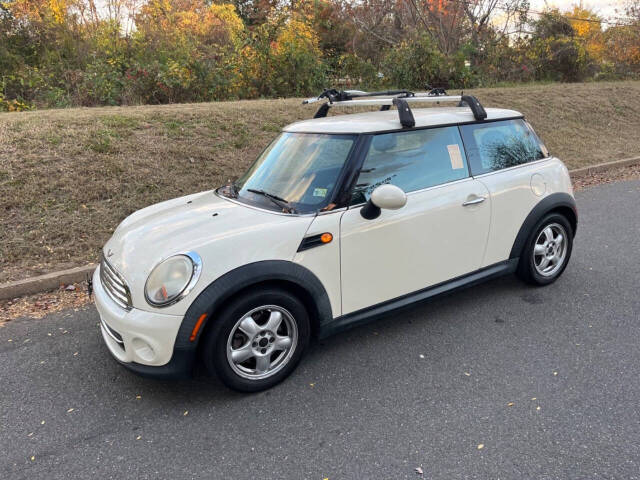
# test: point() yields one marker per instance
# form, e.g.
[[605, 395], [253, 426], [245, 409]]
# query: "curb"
[[52, 281], [603, 167], [45, 283]]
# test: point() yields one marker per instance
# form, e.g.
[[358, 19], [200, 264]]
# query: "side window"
[[497, 145], [412, 161]]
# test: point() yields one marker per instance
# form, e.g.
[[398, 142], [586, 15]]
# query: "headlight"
[[172, 279]]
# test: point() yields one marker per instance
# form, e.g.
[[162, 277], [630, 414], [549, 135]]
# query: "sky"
[[605, 9]]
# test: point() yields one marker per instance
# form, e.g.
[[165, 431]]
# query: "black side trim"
[[213, 297], [371, 313], [544, 206], [342, 196], [179, 367], [310, 242]]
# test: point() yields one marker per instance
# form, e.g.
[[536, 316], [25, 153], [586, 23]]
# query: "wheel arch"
[[559, 202], [279, 273]]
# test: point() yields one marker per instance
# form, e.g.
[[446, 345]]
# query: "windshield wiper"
[[276, 200]]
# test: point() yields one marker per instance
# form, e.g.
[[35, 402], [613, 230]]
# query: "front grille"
[[114, 285]]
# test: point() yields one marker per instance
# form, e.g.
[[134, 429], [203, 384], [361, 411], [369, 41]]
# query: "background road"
[[423, 388]]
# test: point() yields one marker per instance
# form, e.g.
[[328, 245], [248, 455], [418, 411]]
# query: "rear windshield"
[[497, 145]]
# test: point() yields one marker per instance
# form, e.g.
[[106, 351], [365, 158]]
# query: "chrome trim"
[[196, 261], [475, 201], [111, 333], [114, 285]]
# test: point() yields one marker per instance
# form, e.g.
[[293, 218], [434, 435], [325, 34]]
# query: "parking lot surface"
[[500, 381]]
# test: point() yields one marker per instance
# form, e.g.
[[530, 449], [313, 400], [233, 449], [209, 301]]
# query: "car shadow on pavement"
[[326, 358]]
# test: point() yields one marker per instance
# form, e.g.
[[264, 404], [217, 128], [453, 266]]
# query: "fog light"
[[143, 350]]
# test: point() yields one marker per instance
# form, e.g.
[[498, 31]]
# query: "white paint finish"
[[236, 236], [388, 120], [512, 198], [136, 326], [324, 261], [538, 184], [389, 197], [431, 240]]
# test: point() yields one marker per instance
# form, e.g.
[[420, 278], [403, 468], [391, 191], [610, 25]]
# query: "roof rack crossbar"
[[392, 97]]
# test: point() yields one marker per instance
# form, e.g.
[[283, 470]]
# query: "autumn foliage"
[[56, 53]]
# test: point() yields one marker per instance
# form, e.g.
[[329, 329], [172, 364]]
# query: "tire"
[[250, 333], [543, 259]]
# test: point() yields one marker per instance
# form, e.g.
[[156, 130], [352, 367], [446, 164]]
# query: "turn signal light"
[[196, 328], [326, 237]]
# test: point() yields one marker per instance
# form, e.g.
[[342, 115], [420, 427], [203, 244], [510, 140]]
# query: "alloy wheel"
[[550, 249], [262, 342]]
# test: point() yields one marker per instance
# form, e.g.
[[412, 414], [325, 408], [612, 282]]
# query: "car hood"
[[226, 234]]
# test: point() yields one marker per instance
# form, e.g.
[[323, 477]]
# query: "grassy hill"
[[67, 177]]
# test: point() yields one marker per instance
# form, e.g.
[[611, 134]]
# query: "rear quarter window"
[[496, 145]]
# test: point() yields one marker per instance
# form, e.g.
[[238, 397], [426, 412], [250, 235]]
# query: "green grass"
[[68, 177]]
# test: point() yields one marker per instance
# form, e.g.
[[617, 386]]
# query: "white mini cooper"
[[340, 220]]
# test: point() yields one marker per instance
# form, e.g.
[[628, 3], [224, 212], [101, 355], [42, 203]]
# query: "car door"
[[511, 161], [441, 232]]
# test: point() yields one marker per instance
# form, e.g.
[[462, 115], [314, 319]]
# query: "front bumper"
[[141, 341]]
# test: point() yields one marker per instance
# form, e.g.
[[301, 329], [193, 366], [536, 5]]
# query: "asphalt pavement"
[[500, 381]]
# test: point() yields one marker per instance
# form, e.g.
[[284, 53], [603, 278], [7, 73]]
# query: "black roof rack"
[[399, 98]]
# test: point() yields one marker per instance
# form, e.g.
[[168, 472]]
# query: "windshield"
[[297, 172]]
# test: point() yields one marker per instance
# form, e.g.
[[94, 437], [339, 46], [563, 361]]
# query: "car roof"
[[383, 121]]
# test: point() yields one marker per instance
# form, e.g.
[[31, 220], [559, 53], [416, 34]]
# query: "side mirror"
[[385, 196]]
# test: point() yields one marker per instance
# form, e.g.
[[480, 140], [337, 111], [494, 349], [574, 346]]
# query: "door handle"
[[474, 201]]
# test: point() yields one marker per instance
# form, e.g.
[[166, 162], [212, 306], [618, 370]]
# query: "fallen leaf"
[[481, 446], [42, 422], [311, 385], [538, 407], [138, 437], [30, 434], [510, 404], [421, 356], [555, 373], [70, 410], [419, 471], [534, 398], [75, 354], [467, 374], [186, 412], [138, 397], [32, 458]]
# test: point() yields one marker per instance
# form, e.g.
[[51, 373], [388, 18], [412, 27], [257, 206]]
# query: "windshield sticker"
[[320, 192], [455, 156]]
